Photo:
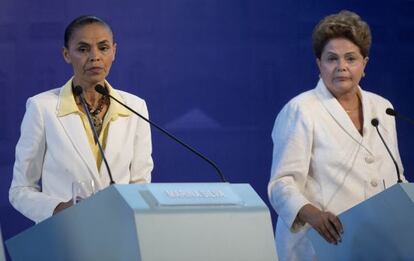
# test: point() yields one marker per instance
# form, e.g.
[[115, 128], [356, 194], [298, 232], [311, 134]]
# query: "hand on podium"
[[62, 206], [327, 224]]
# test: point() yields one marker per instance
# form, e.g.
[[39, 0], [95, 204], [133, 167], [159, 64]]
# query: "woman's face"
[[341, 66], [91, 52]]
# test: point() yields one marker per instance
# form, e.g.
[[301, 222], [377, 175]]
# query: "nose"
[[341, 66], [94, 55]]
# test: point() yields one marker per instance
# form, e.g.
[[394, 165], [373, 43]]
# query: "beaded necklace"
[[96, 120]]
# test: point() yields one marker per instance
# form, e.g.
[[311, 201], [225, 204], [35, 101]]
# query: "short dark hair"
[[345, 24], [80, 22]]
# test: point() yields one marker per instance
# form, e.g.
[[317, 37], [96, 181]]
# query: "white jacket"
[[53, 152], [319, 157]]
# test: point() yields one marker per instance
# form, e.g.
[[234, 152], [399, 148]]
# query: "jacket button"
[[374, 183], [369, 159]]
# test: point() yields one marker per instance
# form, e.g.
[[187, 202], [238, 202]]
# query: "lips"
[[95, 70], [341, 78]]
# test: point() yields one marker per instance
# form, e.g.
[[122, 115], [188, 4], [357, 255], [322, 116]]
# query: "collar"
[[67, 103], [332, 106], [324, 91]]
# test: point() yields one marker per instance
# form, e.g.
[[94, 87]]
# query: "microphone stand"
[[79, 92], [102, 90], [375, 123]]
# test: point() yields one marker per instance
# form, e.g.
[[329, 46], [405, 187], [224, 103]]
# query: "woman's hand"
[[327, 224], [62, 206]]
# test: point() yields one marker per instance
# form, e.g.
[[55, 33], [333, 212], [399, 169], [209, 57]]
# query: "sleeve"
[[292, 137], [142, 163], [25, 192]]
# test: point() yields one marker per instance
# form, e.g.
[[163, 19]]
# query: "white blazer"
[[319, 157], [53, 152]]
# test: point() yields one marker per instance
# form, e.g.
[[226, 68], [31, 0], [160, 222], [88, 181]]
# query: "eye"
[[104, 48], [351, 59], [331, 58], [82, 49]]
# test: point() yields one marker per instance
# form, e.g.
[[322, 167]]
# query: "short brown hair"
[[345, 24]]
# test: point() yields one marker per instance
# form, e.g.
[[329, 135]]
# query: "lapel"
[[73, 127], [368, 129], [333, 107], [117, 131]]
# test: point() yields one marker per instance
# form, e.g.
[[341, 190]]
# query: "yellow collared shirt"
[[68, 105]]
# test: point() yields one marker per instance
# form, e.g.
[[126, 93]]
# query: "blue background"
[[213, 72]]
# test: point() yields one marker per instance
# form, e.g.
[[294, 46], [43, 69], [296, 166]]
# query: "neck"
[[91, 96], [350, 102]]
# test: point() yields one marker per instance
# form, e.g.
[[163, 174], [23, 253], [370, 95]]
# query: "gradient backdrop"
[[213, 72]]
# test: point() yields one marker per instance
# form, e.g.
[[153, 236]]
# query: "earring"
[[363, 74]]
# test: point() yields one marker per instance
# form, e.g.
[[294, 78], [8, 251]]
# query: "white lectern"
[[186, 221], [380, 228], [2, 255]]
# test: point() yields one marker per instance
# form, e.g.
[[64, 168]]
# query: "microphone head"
[[77, 90], [390, 111], [374, 122], [102, 90]]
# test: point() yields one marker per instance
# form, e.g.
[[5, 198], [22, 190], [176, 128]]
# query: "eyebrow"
[[104, 42], [348, 53], [101, 42]]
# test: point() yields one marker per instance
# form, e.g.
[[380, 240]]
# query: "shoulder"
[[376, 99], [304, 98], [297, 113], [45, 99], [129, 97], [303, 103], [42, 104], [132, 101], [46, 95], [376, 105]]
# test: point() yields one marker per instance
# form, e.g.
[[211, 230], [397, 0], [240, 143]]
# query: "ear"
[[114, 52], [318, 62], [65, 53], [366, 59]]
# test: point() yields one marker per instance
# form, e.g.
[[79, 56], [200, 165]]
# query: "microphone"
[[102, 90], [392, 112], [375, 123], [78, 91]]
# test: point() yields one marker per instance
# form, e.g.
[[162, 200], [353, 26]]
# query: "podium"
[[2, 255], [182, 221], [380, 228]]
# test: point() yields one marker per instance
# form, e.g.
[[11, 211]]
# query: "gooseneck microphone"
[[392, 112], [375, 123], [102, 90], [78, 91]]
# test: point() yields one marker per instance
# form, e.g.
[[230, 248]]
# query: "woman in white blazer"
[[327, 155], [56, 146]]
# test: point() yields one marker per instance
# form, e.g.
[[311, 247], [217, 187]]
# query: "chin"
[[344, 88], [95, 80]]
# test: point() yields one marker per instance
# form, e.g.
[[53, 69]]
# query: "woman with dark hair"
[[327, 156], [57, 147]]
